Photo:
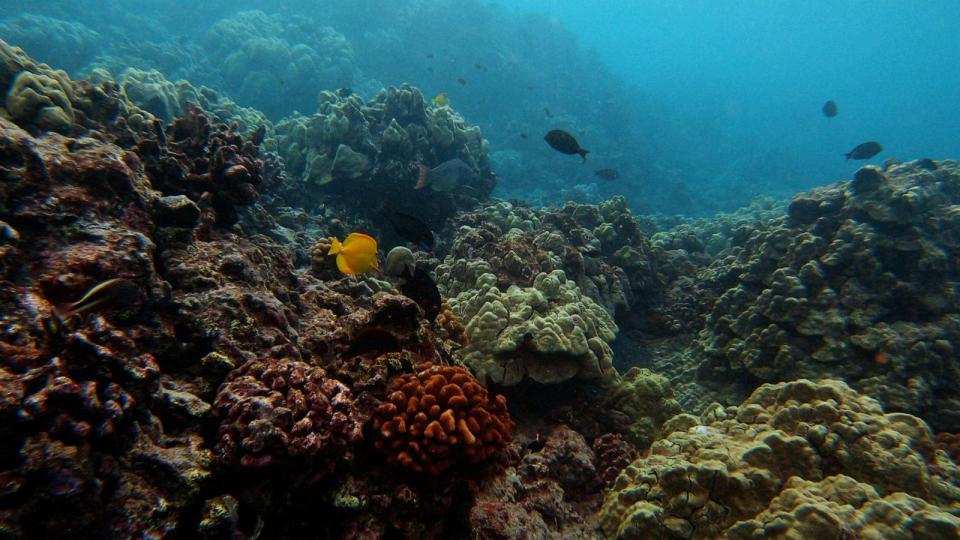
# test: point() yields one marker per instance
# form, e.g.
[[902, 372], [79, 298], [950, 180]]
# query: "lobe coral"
[[439, 416]]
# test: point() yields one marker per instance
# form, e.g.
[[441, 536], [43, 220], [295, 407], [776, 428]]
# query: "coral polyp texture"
[[549, 332], [275, 412], [857, 281], [794, 458], [440, 417]]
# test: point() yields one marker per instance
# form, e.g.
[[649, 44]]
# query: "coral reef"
[[350, 146], [856, 281], [260, 56], [279, 412], [613, 454], [69, 45], [788, 445], [549, 332], [441, 416], [646, 399]]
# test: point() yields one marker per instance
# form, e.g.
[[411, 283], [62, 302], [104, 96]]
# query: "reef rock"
[[788, 448]]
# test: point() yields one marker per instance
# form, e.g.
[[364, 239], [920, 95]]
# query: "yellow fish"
[[441, 100], [356, 255]]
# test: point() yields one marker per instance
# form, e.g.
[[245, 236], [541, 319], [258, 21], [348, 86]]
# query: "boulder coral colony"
[[784, 371]]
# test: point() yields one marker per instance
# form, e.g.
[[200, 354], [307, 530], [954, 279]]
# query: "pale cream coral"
[[728, 466], [549, 332]]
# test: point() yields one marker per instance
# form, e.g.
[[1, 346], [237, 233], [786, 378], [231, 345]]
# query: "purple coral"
[[284, 411]]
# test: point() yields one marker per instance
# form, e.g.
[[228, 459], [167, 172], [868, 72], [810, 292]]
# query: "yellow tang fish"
[[356, 255], [441, 99]]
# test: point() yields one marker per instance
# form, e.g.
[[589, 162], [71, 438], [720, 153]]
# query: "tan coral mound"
[[712, 475], [439, 416]]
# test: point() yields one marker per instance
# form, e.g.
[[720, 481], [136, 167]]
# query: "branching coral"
[[439, 417]]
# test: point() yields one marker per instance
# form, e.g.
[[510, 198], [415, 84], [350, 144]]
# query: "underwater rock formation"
[[646, 399], [68, 45], [261, 56], [350, 147], [787, 447], [858, 281]]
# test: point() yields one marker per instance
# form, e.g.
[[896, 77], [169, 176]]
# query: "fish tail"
[[583, 153], [848, 155], [421, 176], [335, 246]]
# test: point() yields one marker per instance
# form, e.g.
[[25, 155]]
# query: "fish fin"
[[421, 176], [359, 235], [63, 311], [376, 264], [335, 246], [343, 266], [583, 153]]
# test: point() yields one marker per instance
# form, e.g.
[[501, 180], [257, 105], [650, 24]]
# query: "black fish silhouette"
[[865, 151], [420, 287], [564, 142], [830, 109], [411, 229]]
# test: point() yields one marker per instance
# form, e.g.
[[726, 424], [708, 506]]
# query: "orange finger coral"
[[439, 416]]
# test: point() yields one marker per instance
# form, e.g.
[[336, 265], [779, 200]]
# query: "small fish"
[[524, 135], [372, 339], [535, 444], [430, 69], [112, 292], [865, 151], [447, 176], [607, 174], [441, 100], [830, 109], [356, 255], [547, 112], [564, 142], [429, 55], [462, 81], [480, 66], [411, 229], [420, 287]]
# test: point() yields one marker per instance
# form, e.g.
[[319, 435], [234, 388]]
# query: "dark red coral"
[[440, 416], [210, 163], [613, 454], [285, 412]]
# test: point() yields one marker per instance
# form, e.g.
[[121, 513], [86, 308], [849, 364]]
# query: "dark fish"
[[830, 109], [564, 142], [429, 55], [447, 176], [258, 135], [607, 174], [536, 444], [110, 293], [480, 66], [462, 81], [523, 135], [420, 287], [411, 229], [547, 112], [865, 151], [430, 69]]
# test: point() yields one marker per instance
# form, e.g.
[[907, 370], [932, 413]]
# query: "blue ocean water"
[[699, 105]]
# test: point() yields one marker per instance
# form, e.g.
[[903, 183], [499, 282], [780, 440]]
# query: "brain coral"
[[858, 281], [549, 332], [283, 411], [439, 416], [739, 464]]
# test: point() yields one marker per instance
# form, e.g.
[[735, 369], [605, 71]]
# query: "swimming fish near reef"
[[830, 109], [420, 287], [564, 142], [356, 255], [607, 174], [865, 151], [441, 100], [447, 176], [411, 229], [462, 81], [523, 135], [110, 293], [547, 112]]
